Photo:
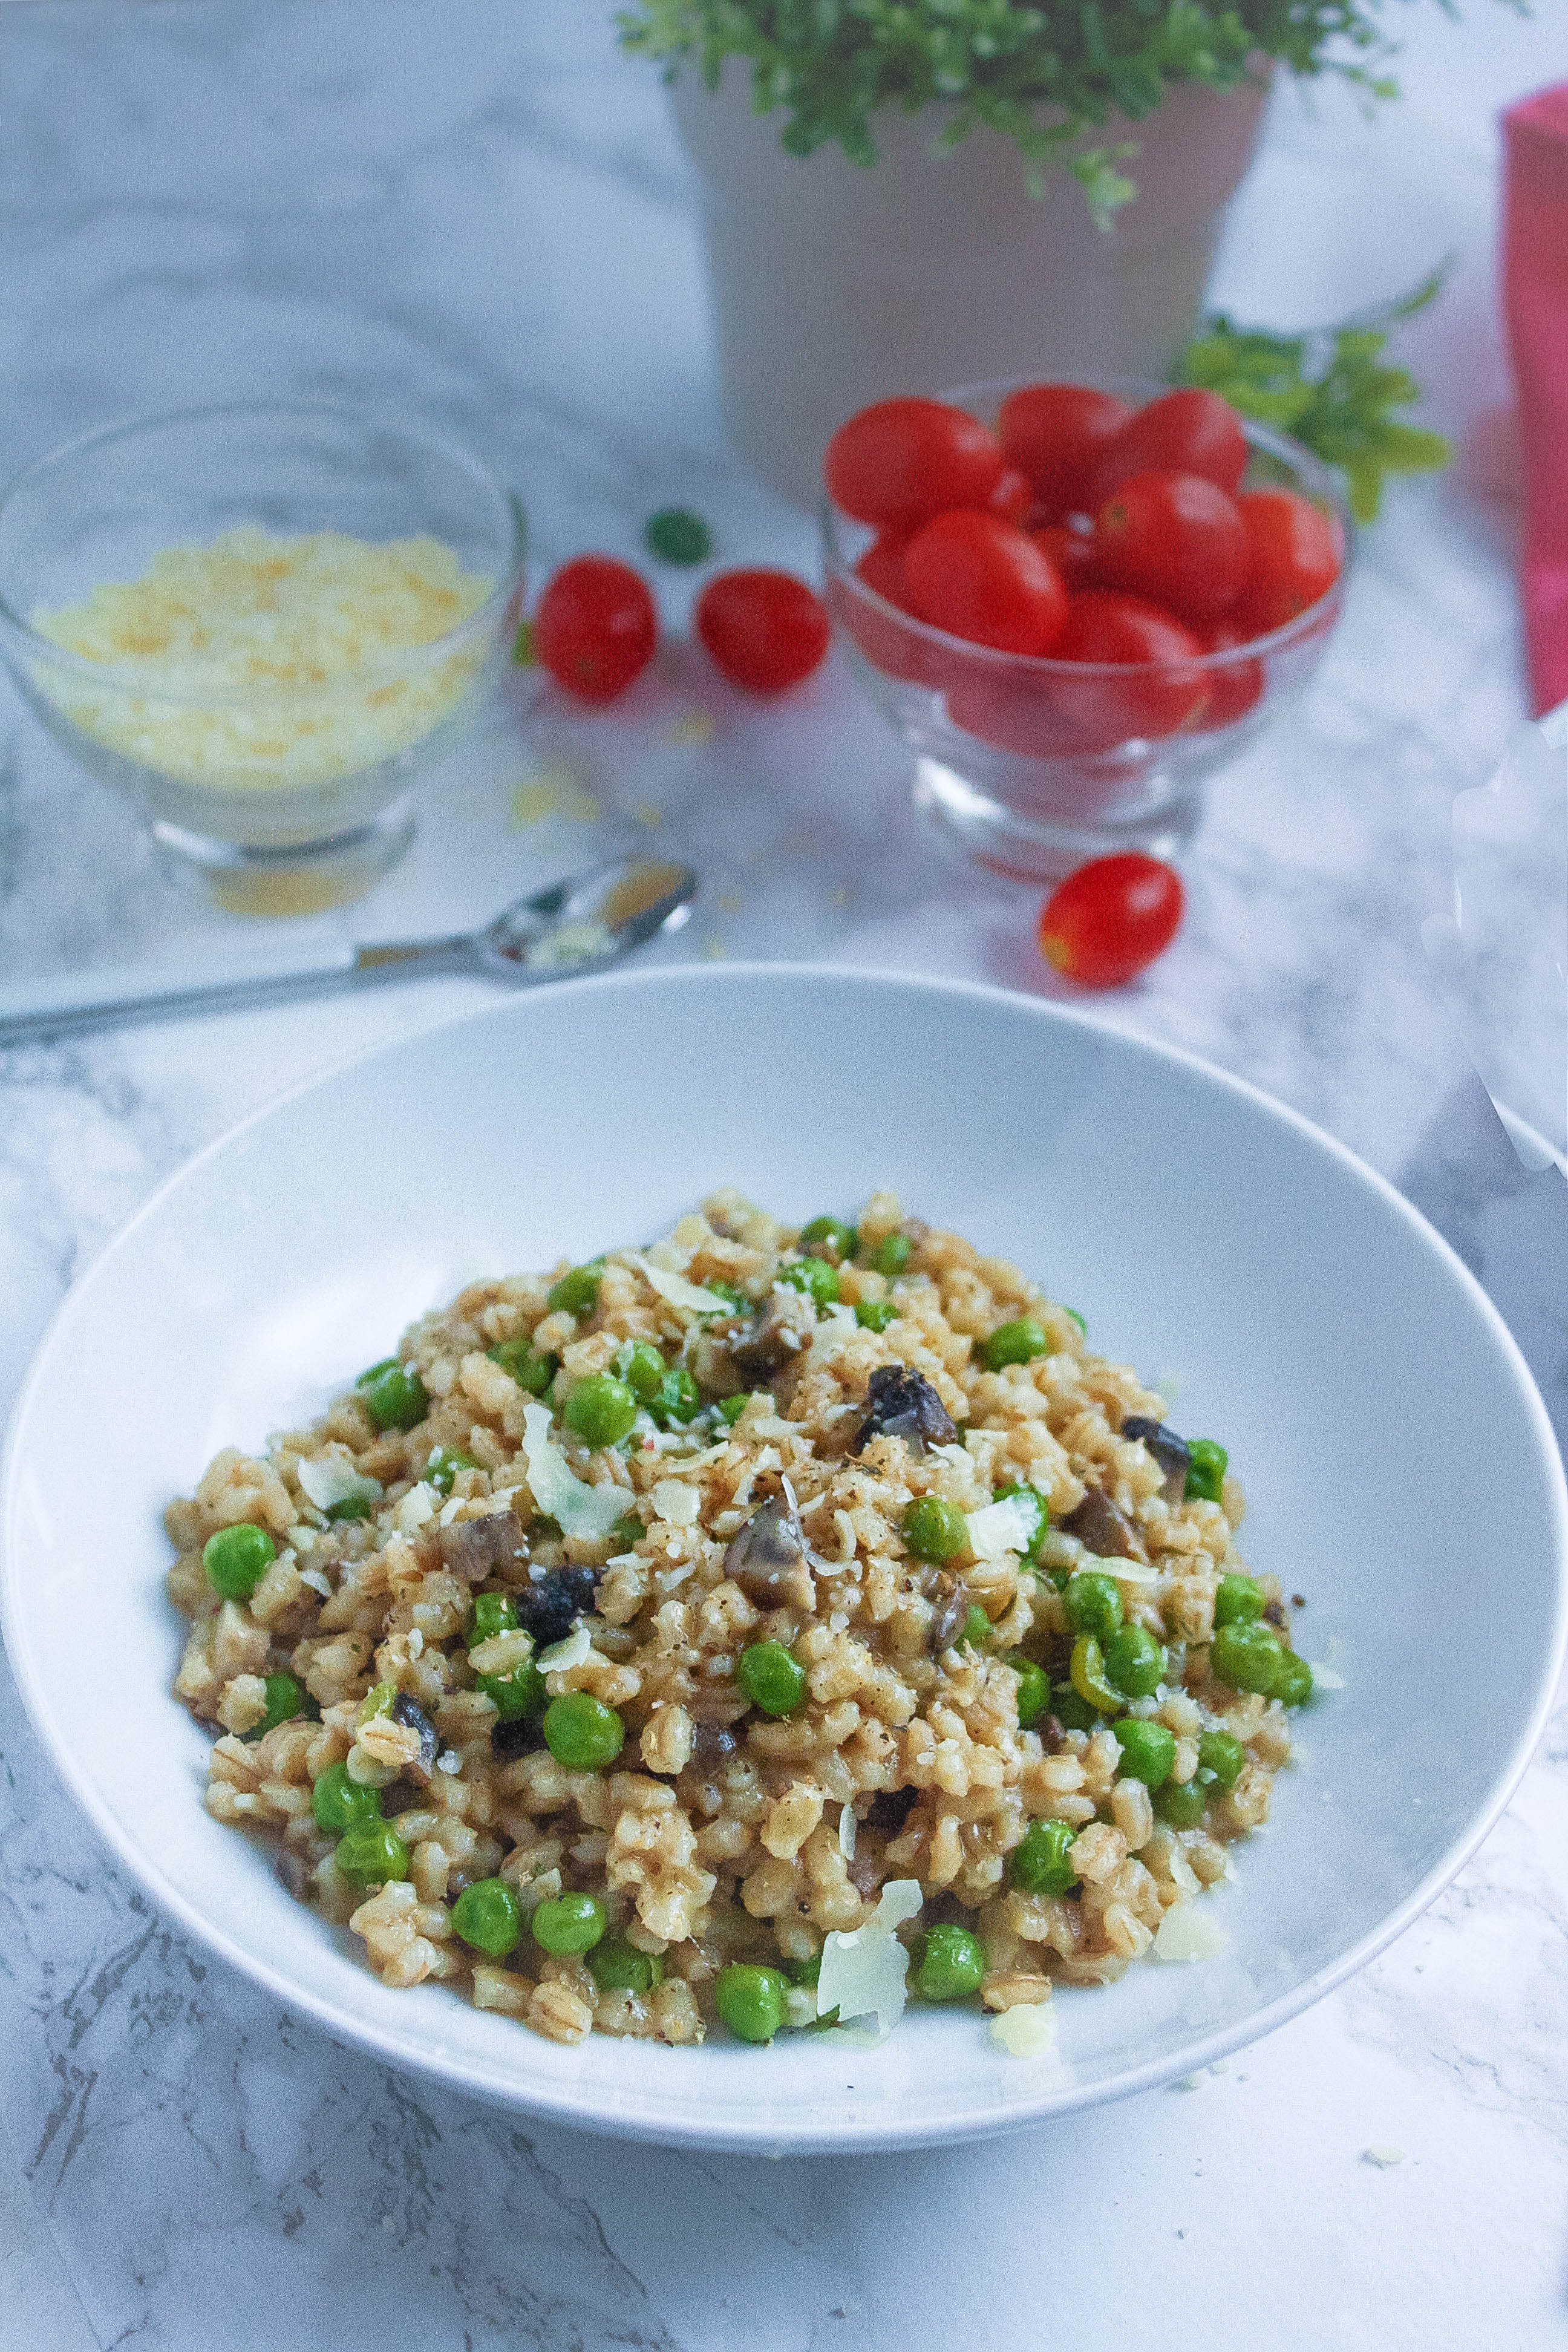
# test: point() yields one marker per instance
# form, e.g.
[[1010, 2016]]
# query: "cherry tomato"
[[1016, 714], [1072, 552], [1013, 497], [902, 461], [1162, 690], [882, 568], [985, 580], [888, 643], [1185, 432], [1106, 923], [1294, 553], [766, 630], [1236, 689], [1176, 538], [1057, 433], [595, 627]]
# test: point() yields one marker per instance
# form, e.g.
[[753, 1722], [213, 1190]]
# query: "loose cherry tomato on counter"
[[1072, 552], [902, 461], [1177, 539], [1057, 433], [1294, 551], [1162, 689], [1184, 432], [1105, 923], [595, 627], [985, 580], [1234, 689], [766, 630]]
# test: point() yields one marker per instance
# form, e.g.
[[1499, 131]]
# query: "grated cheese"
[[1188, 1934], [417, 1506], [674, 1501], [574, 1651], [690, 1297], [578, 1509], [332, 1478], [1026, 2031], [863, 1969], [1000, 1530], [255, 649]]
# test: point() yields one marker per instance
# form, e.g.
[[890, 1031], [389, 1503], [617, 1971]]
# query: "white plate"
[[1400, 1467]]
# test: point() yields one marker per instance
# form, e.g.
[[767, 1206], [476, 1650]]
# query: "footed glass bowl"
[[377, 567], [1033, 765]]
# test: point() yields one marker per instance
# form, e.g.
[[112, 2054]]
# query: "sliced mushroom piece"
[[476, 1549], [712, 1744], [948, 1623], [889, 1809], [1108, 1532], [522, 1736], [767, 1557], [297, 1871], [549, 1605], [780, 1332], [1172, 1453], [904, 1405], [413, 1717]]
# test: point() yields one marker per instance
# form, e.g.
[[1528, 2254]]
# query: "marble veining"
[[480, 210]]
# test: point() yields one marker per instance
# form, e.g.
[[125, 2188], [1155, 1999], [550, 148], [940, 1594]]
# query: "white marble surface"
[[477, 208]]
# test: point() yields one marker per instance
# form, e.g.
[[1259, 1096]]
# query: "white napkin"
[[1502, 958]]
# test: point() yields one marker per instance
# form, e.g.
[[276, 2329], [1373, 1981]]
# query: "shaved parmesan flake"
[[847, 1827], [1384, 2157], [837, 1325], [1001, 1529], [1188, 1934], [688, 1297], [1126, 1571], [332, 1478], [1028, 2031], [863, 1971], [800, 2007], [578, 1509], [417, 1506], [574, 1651], [317, 1581], [1325, 1678], [674, 1500]]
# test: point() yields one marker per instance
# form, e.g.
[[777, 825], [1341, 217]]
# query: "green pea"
[[1031, 1498], [516, 1697], [1040, 1863], [1134, 1661], [571, 1923], [892, 1255], [576, 1293], [1238, 1600], [379, 1699], [675, 535], [1293, 1683], [582, 1733], [489, 1614], [619, 1967], [393, 1398], [1247, 1657], [286, 1698], [1180, 1803], [339, 1803], [951, 1963], [876, 1314], [1148, 1750], [1222, 1756], [976, 1628], [643, 1370], [751, 2001], [1207, 1466], [679, 1400], [352, 1506], [1014, 1343], [489, 1915], [733, 1407], [771, 1678], [842, 1239], [601, 1410], [934, 1529], [1034, 1690], [528, 1367], [1094, 1605], [1072, 1711], [627, 1530], [236, 1559], [1089, 1675], [1077, 1319], [372, 1854], [815, 1276], [734, 1297], [441, 1470]]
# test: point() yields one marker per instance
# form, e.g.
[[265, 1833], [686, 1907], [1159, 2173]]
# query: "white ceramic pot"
[[835, 283]]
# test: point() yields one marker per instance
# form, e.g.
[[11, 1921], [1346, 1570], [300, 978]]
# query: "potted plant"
[[963, 188]]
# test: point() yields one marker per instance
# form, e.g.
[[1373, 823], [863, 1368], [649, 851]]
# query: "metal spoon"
[[581, 924]]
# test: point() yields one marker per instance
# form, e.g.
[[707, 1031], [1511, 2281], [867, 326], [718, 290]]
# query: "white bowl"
[[1400, 1467]]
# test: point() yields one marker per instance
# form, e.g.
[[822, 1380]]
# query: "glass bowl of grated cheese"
[[260, 622]]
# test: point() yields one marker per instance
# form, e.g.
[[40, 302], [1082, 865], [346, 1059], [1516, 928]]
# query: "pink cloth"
[[1535, 296]]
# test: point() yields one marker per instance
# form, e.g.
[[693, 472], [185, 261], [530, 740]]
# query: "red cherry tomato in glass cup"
[[1177, 539], [1236, 686], [1185, 432], [1105, 923], [1294, 553], [1057, 433], [985, 580], [766, 630], [1013, 497], [1150, 684], [1072, 552], [595, 627], [902, 461]]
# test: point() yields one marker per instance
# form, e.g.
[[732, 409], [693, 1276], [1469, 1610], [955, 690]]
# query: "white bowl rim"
[[747, 2133]]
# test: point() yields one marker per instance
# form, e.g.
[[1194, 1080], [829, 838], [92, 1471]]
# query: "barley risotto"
[[762, 1627]]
